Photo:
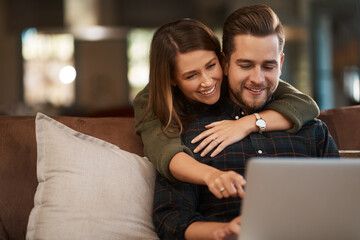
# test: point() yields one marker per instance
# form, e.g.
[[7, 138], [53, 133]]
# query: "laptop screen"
[[301, 199]]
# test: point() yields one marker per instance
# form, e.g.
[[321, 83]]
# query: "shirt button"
[[236, 117], [260, 152], [242, 113]]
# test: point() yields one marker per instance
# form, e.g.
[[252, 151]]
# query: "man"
[[253, 44]]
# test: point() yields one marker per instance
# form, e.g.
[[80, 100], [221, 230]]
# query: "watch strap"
[[261, 128]]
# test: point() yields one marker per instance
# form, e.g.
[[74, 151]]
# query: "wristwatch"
[[260, 123]]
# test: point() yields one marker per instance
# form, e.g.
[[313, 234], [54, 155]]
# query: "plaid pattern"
[[177, 205]]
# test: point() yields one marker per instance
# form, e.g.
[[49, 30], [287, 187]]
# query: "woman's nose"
[[206, 80]]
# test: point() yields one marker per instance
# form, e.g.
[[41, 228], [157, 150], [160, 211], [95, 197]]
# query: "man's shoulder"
[[310, 128], [313, 123], [314, 126]]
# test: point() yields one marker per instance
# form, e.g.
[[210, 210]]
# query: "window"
[[139, 41], [352, 83], [49, 71]]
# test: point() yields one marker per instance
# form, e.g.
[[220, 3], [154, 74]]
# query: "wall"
[[299, 68], [102, 75], [10, 74]]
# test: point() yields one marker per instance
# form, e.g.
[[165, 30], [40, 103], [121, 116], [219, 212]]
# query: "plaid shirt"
[[177, 205]]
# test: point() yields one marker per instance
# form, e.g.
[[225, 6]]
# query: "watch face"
[[261, 123]]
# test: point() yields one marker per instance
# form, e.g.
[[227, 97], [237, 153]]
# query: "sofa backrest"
[[18, 180], [344, 126]]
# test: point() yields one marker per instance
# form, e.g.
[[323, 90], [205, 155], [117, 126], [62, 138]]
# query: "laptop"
[[295, 199]]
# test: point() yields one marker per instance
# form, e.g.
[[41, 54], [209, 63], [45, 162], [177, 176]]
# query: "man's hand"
[[230, 230], [225, 184]]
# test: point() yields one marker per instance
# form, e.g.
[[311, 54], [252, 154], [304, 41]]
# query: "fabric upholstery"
[[343, 124], [18, 180], [89, 188]]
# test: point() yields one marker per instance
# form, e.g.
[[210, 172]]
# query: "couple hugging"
[[207, 111]]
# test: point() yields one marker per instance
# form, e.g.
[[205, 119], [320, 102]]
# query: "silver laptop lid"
[[301, 199]]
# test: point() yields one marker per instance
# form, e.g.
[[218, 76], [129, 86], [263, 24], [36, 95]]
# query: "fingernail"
[[196, 150]]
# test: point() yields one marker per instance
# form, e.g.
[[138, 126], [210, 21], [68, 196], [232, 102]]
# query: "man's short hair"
[[257, 20]]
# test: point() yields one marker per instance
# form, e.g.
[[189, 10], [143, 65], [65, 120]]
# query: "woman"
[[185, 56]]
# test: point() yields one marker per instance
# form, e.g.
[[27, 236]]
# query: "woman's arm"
[[158, 148], [187, 169], [294, 105], [227, 132], [289, 111], [175, 161]]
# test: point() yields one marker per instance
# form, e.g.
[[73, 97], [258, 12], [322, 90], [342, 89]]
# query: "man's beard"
[[250, 103]]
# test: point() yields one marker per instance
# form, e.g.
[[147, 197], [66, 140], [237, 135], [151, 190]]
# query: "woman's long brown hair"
[[165, 100]]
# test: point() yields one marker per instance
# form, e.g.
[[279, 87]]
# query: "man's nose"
[[257, 75]]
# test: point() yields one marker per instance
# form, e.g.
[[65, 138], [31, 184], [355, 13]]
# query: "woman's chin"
[[211, 101]]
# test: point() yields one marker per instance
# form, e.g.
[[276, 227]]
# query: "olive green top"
[[160, 149]]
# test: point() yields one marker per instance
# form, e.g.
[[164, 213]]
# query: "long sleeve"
[[175, 208], [298, 107], [325, 144], [158, 148]]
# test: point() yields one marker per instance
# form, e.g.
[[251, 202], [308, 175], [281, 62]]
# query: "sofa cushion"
[[89, 188], [18, 179], [343, 125]]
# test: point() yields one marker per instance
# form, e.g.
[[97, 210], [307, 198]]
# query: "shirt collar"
[[234, 110]]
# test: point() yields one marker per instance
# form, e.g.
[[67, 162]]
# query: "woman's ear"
[[224, 64]]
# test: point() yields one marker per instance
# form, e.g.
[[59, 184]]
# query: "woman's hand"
[[223, 133], [230, 231], [224, 184]]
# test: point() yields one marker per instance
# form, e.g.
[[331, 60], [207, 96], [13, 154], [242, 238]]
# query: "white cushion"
[[89, 188]]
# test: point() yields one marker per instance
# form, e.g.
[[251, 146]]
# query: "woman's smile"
[[199, 76], [210, 91]]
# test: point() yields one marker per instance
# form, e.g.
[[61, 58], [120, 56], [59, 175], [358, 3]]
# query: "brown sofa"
[[344, 125], [18, 179]]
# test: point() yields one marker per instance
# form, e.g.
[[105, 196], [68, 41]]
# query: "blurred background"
[[90, 57]]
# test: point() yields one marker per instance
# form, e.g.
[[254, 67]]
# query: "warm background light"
[[67, 74]]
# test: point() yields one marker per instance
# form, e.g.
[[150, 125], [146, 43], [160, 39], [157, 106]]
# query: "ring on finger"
[[222, 189], [214, 139]]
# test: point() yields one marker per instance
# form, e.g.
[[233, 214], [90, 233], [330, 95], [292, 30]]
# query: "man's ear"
[[224, 64], [281, 60]]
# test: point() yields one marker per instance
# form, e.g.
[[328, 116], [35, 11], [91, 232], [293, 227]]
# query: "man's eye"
[[269, 67]]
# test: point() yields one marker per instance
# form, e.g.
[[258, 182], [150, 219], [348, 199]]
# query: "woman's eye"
[[245, 66], [190, 76], [211, 66]]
